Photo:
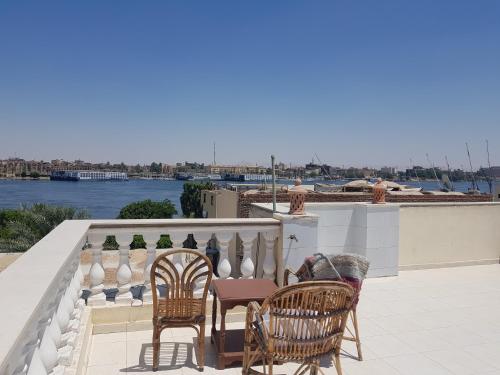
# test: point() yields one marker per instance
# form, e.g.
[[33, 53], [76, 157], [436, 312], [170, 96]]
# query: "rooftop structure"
[[430, 304]]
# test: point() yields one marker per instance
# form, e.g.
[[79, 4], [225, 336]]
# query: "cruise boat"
[[87, 176]]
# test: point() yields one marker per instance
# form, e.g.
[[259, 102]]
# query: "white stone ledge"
[[30, 283]]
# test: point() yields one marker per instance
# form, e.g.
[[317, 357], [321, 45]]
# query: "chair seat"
[[175, 310]]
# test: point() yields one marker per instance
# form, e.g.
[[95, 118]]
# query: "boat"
[[65, 175], [183, 176]]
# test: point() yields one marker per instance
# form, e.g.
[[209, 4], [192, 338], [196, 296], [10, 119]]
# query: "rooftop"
[[430, 304], [433, 322]]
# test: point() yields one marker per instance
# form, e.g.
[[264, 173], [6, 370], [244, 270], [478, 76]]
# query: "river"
[[104, 199]]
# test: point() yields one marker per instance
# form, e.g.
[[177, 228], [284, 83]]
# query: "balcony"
[[414, 319]]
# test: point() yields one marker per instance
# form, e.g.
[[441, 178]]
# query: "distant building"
[[220, 203], [495, 172]]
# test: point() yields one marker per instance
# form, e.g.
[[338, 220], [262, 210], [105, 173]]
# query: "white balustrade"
[[151, 240], [224, 267], [247, 265], [96, 274], [269, 266], [124, 272], [36, 366], [45, 330], [178, 237], [201, 238]]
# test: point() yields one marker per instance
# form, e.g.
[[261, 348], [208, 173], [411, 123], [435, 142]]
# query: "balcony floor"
[[441, 321]]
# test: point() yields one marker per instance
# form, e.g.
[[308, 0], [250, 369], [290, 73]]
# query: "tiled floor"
[[427, 322]]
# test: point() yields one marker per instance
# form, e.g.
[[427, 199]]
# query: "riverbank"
[[104, 199]]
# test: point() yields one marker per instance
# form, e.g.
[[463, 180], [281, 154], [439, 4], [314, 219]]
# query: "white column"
[[96, 274], [36, 366], [151, 242], [269, 266], [68, 336], [123, 273], [247, 264], [178, 238], [48, 351], [201, 239], [224, 267]]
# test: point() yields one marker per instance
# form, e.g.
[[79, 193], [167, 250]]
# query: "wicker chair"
[[350, 336], [298, 323], [180, 306]]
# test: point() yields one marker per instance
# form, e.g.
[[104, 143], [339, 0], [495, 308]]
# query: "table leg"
[[222, 338], [214, 318]]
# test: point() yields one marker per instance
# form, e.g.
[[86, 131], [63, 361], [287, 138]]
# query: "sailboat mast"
[[449, 173], [474, 183], [489, 178], [434, 170]]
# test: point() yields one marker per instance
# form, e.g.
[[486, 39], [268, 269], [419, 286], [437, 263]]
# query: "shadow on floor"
[[173, 356]]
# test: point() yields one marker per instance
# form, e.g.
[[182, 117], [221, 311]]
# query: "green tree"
[[191, 198], [148, 209], [155, 167], [35, 174], [21, 229]]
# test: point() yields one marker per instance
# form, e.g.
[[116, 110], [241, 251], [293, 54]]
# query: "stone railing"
[[41, 309], [43, 317], [246, 248]]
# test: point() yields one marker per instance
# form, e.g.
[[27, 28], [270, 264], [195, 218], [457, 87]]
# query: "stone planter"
[[379, 190], [297, 198]]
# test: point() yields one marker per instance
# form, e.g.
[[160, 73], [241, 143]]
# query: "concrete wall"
[[439, 235], [423, 235], [334, 228]]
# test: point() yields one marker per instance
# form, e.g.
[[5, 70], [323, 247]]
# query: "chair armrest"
[[254, 316], [286, 275]]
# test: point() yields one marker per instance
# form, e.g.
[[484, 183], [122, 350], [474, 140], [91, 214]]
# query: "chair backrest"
[[185, 291], [307, 319]]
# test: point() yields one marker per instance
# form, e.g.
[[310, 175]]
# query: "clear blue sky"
[[359, 82]]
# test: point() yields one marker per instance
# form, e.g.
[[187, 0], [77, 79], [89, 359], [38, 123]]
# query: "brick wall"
[[245, 200]]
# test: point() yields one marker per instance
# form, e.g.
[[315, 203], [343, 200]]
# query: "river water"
[[104, 199]]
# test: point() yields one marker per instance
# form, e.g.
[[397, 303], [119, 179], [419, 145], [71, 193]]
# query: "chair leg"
[[338, 367], [201, 346], [270, 364], [356, 333], [156, 348]]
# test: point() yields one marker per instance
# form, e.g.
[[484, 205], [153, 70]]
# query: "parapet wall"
[[246, 199], [444, 235]]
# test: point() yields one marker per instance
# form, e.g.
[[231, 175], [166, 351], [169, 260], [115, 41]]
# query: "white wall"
[[333, 228], [392, 236], [444, 234]]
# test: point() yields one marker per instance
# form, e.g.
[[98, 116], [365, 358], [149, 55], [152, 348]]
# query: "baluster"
[[68, 336], [224, 267], [201, 239], [123, 273], [48, 351], [96, 273], [269, 266], [247, 265], [36, 366], [151, 241], [178, 239], [77, 285]]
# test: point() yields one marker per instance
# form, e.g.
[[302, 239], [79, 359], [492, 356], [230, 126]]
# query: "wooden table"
[[232, 293]]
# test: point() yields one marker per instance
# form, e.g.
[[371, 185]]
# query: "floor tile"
[[459, 362], [371, 367], [387, 346], [104, 353], [416, 364]]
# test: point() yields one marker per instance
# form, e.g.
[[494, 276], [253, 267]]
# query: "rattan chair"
[[298, 323], [351, 335], [184, 301]]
